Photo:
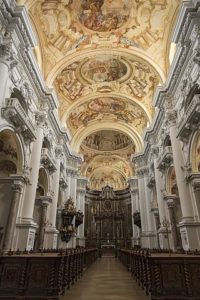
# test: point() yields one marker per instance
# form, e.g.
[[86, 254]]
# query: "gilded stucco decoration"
[[107, 152], [105, 59], [107, 73], [73, 25], [107, 108]]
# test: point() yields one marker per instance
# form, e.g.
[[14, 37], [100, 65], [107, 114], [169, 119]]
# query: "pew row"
[[42, 275], [164, 276]]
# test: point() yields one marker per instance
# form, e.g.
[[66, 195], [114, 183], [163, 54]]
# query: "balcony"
[[166, 158], [47, 160], [191, 119], [15, 114]]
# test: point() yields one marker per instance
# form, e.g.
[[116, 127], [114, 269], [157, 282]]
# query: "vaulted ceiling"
[[105, 59]]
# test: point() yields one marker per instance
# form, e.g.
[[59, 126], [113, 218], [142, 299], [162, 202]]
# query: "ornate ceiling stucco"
[[105, 59], [107, 151]]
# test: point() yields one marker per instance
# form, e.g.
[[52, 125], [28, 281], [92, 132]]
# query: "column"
[[5, 60], [133, 183], [143, 212], [10, 228], [185, 199], [159, 193], [151, 233], [28, 226], [81, 192], [51, 232], [190, 231], [162, 232], [43, 202], [175, 233]]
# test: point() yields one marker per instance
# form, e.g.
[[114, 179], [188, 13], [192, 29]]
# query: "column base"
[[148, 240], [190, 235], [51, 238], [25, 235]]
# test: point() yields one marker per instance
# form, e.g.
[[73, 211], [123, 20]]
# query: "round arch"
[[96, 158], [121, 96], [73, 57], [17, 142], [195, 152], [83, 132]]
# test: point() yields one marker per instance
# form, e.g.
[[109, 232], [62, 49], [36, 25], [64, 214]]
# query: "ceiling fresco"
[[103, 68], [107, 140], [105, 108], [107, 151], [106, 73], [105, 59]]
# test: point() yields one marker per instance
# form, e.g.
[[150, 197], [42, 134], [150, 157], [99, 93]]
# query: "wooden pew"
[[163, 275], [41, 275]]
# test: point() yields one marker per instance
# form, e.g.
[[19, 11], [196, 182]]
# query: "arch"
[[83, 132], [96, 158], [195, 152], [121, 96], [171, 185], [11, 151], [133, 51]]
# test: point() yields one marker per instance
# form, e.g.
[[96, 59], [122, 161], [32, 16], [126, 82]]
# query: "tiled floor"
[[106, 279]]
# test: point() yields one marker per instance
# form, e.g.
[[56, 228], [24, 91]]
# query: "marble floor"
[[106, 279]]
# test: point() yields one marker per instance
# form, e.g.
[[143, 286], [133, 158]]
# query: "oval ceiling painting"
[[104, 15], [103, 68], [106, 105]]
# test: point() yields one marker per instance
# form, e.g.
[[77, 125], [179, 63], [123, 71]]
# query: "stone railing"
[[14, 113], [47, 160], [191, 119], [166, 157]]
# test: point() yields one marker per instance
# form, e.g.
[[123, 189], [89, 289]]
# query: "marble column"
[[133, 183], [28, 226], [143, 212], [183, 188], [189, 229], [17, 187], [43, 202], [174, 230], [51, 232], [162, 232], [81, 192]]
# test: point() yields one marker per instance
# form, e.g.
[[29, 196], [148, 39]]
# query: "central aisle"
[[106, 279]]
